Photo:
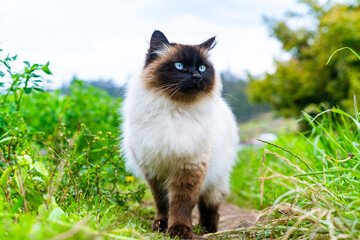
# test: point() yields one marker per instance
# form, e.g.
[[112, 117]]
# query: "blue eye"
[[179, 66], [202, 68]]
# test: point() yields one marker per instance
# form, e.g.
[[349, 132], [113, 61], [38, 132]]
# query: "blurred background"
[[271, 54]]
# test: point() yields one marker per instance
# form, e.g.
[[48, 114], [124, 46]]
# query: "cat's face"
[[180, 72]]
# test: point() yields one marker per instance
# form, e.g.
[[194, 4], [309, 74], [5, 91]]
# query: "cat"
[[180, 134]]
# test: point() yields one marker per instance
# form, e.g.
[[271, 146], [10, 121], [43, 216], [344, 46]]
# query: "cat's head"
[[180, 72]]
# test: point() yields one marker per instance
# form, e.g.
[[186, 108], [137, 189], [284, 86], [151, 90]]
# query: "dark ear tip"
[[158, 37], [156, 33], [214, 42], [209, 44]]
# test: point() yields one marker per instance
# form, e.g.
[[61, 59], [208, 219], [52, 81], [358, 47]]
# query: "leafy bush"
[[304, 82], [60, 157]]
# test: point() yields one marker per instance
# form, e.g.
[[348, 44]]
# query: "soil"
[[232, 217]]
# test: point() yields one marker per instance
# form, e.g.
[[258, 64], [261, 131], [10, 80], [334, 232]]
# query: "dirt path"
[[232, 217]]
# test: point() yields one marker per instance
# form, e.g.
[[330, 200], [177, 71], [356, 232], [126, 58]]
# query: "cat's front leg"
[[184, 188]]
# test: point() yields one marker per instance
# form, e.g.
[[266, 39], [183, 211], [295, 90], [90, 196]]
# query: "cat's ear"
[[158, 41], [208, 44]]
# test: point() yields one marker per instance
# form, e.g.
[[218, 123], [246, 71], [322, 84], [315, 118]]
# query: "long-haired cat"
[[180, 134]]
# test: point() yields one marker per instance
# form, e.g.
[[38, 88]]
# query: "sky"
[[108, 39]]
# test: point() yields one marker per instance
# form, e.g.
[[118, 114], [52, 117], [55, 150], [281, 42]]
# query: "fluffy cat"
[[180, 134]]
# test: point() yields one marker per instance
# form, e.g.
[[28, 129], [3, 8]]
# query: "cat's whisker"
[[175, 91], [171, 89]]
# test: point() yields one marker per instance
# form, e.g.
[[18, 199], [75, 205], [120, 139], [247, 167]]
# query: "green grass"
[[61, 172], [309, 183], [62, 176], [245, 185]]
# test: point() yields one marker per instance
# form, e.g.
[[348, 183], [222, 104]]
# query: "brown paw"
[[210, 224], [159, 226], [210, 228], [209, 217], [181, 231]]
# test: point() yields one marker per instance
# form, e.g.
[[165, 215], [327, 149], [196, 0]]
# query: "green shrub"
[[60, 157]]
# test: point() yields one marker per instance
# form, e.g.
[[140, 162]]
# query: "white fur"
[[162, 136]]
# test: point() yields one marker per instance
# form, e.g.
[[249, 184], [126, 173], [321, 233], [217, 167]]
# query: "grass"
[[245, 191], [62, 176], [61, 172], [309, 186]]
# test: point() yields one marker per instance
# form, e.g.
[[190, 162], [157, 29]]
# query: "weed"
[[59, 175]]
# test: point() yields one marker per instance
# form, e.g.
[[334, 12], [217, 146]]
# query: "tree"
[[304, 82]]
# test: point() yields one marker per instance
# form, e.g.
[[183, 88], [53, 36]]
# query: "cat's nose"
[[196, 76]]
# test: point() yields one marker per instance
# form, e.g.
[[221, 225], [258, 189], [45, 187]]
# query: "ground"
[[232, 217]]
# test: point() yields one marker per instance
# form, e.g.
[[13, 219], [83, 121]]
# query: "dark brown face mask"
[[182, 72]]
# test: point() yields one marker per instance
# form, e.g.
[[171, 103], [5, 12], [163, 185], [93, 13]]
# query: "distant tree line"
[[108, 85], [233, 91]]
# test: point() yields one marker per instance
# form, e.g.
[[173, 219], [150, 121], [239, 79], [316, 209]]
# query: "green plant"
[[340, 49], [60, 163], [304, 82], [23, 81]]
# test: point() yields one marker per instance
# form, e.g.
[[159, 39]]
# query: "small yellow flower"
[[108, 133], [129, 178], [99, 132], [23, 153], [96, 138], [102, 139]]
